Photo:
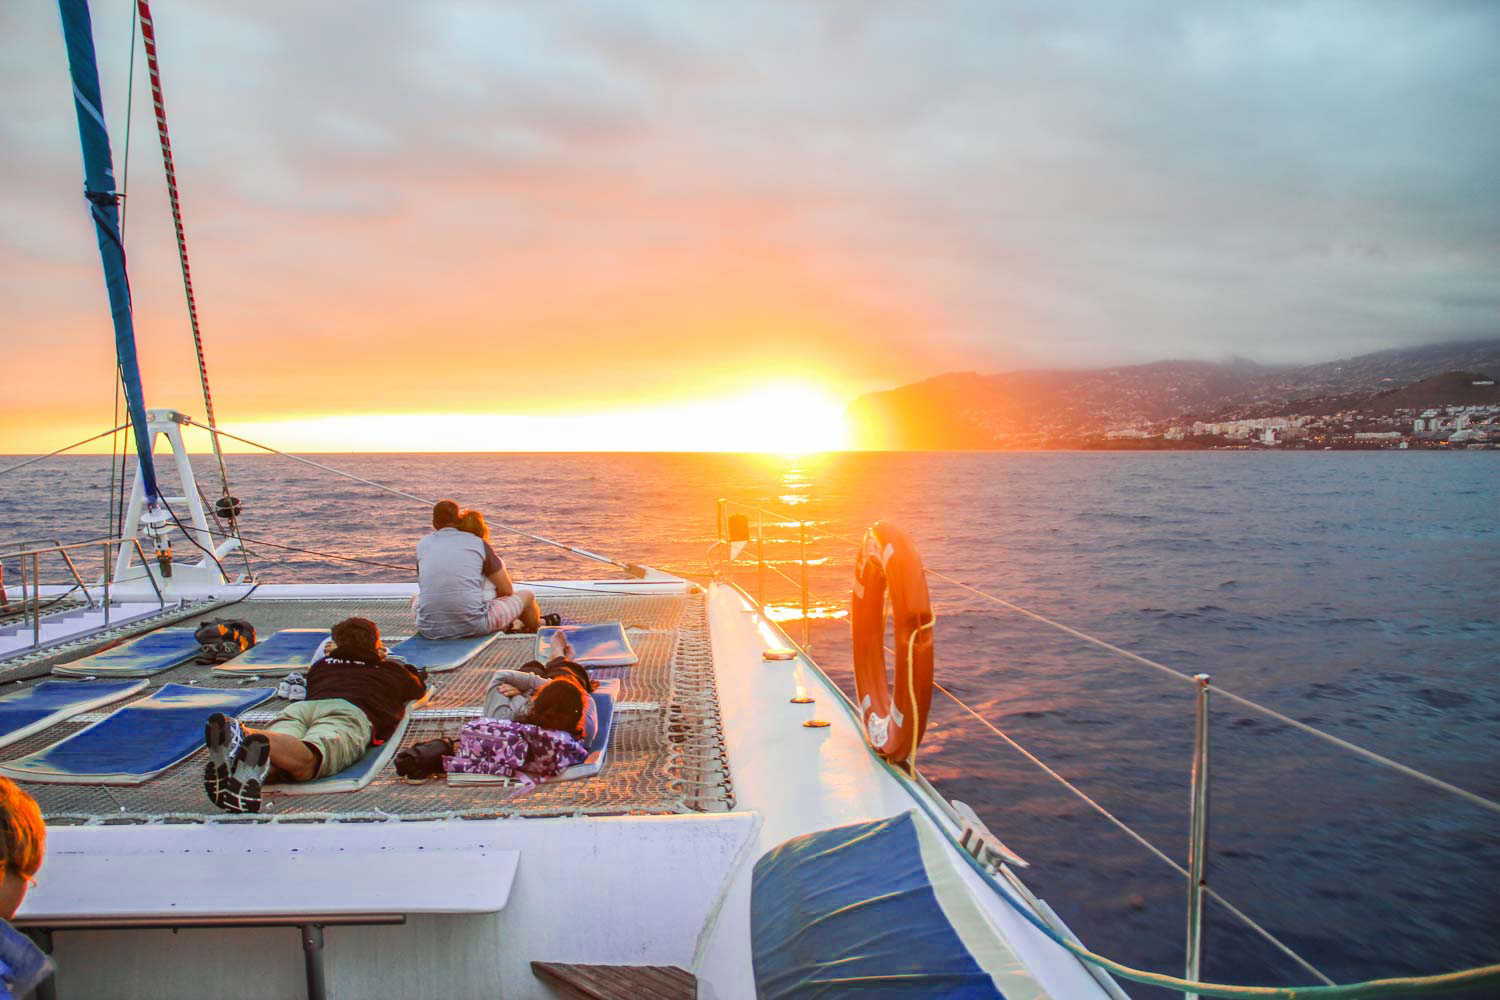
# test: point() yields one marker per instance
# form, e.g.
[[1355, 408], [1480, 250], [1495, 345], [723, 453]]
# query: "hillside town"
[[1466, 426]]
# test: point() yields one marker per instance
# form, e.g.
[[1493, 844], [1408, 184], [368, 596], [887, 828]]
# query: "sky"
[[644, 225]]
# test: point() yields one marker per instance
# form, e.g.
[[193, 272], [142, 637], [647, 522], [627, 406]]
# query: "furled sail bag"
[[223, 639]]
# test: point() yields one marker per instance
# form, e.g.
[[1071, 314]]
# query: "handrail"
[[762, 564], [33, 581]]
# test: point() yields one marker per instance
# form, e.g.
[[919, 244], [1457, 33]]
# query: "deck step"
[[73, 623], [619, 982]]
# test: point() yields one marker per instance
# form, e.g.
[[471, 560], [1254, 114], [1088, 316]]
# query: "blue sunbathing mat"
[[280, 653], [604, 701], [30, 710], [438, 655], [361, 772], [135, 743], [602, 645], [140, 657]]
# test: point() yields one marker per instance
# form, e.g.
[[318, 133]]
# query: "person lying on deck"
[[456, 566], [538, 693], [356, 696]]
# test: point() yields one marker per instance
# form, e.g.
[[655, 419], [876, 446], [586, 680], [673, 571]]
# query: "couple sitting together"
[[463, 586]]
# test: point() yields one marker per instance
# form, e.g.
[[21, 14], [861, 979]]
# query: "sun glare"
[[785, 418]]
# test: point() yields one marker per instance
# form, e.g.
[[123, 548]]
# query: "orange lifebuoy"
[[887, 560]]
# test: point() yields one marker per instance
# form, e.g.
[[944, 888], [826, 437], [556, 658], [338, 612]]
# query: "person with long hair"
[[454, 563]]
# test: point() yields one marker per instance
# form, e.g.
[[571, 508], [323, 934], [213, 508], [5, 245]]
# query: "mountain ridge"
[[1030, 408]]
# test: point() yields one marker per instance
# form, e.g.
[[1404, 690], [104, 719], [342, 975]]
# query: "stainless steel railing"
[[737, 527], [28, 553]]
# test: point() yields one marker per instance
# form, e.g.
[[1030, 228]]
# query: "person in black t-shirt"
[[356, 695]]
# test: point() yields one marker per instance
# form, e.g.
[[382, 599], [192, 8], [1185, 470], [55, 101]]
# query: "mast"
[[104, 209]]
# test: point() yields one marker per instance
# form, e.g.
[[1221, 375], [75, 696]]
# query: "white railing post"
[[806, 641], [760, 558], [1198, 837], [36, 599]]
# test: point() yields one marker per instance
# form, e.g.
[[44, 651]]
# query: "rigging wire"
[[630, 568], [51, 454], [1240, 700], [1354, 748], [1132, 834], [326, 555], [109, 484], [129, 116], [148, 38]]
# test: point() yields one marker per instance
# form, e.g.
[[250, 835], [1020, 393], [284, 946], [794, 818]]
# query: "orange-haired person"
[[23, 837]]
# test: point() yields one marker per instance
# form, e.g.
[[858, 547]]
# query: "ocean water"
[[1356, 592]]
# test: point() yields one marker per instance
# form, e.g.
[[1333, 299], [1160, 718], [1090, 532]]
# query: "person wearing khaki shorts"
[[333, 727], [356, 696]]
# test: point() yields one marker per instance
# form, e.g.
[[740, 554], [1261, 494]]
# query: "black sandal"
[[551, 620]]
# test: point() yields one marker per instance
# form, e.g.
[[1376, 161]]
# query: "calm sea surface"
[[1355, 592]]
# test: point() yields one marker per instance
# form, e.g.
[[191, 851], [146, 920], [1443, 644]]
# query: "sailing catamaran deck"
[[665, 752]]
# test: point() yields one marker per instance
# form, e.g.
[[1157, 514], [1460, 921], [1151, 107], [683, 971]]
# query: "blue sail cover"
[[104, 207], [856, 911]]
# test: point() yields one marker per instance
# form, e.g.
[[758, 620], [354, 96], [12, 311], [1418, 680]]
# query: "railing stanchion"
[[806, 642], [161, 599], [36, 599], [721, 532], [62, 550], [21, 561], [105, 572], [1198, 838], [760, 558]]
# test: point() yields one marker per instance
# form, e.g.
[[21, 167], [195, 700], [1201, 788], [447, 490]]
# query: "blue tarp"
[[104, 208], [136, 742], [852, 911]]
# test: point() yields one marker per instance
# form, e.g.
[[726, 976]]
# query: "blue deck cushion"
[[30, 710], [140, 657], [134, 744], [438, 655], [279, 653], [604, 704], [856, 910], [601, 645]]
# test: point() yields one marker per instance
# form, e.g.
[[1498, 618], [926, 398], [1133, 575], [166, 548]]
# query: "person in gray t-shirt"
[[453, 566]]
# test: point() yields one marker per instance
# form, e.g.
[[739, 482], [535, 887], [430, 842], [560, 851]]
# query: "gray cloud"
[[1015, 184]]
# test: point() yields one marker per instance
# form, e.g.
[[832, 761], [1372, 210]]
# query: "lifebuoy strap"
[[919, 723]]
